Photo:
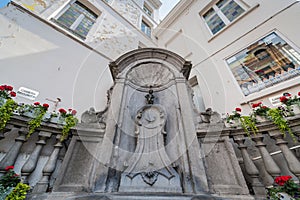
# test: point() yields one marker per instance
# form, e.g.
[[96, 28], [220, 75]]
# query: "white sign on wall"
[[27, 93], [275, 101]]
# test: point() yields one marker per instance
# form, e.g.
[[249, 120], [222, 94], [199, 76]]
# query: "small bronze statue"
[[150, 97]]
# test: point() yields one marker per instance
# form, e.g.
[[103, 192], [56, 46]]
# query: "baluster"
[[270, 165], [49, 168], [250, 167], [31, 163], [3, 131], [12, 154], [291, 159]]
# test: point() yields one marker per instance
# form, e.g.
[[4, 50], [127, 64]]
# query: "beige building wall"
[[184, 31]]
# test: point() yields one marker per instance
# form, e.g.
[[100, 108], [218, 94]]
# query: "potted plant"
[[277, 117], [260, 112], [7, 104], [284, 188], [249, 124], [11, 187], [233, 120], [39, 112], [69, 120], [292, 104]]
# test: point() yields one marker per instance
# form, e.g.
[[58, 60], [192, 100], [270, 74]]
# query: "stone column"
[[270, 165], [292, 161], [49, 168], [30, 164], [195, 174], [250, 167], [12, 154]]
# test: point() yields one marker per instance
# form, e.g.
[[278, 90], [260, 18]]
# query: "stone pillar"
[[292, 161], [196, 171], [250, 167], [12, 154], [49, 168], [31, 163], [270, 165]]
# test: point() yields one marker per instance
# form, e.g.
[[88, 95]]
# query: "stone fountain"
[[144, 145]]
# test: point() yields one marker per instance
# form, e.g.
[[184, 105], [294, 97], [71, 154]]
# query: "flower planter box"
[[285, 196], [295, 109], [233, 123], [56, 120], [261, 119]]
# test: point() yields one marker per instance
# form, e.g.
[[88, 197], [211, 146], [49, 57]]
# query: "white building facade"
[[242, 51], [61, 49]]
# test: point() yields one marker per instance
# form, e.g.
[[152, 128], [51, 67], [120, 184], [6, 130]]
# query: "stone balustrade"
[[36, 158], [262, 156]]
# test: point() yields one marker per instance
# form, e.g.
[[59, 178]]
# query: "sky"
[[167, 5], [3, 3]]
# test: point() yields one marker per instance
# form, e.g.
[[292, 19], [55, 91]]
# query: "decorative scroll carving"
[[150, 74], [150, 156]]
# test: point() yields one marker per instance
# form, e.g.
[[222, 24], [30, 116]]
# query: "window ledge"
[[285, 85], [234, 21]]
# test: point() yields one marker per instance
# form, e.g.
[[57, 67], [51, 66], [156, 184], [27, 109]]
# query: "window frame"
[[221, 15], [281, 85], [143, 21], [148, 10], [72, 29]]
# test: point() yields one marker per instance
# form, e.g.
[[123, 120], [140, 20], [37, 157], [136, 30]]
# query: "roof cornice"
[[181, 6]]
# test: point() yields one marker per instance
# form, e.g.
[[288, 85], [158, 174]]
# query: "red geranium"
[[73, 112], [9, 168], [13, 94], [238, 109], [2, 88], [9, 88], [281, 180], [63, 111], [36, 103], [298, 93], [283, 99], [46, 105]]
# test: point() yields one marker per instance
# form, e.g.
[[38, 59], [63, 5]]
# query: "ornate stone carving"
[[150, 74]]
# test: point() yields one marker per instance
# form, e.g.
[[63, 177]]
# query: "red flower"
[[281, 180], [73, 112], [36, 103], [13, 94], [298, 93], [9, 88], [255, 105], [9, 168], [46, 105], [264, 107], [63, 111], [2, 88], [70, 109], [238, 109], [283, 99]]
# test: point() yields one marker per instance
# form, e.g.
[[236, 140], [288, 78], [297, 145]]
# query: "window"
[[147, 10], [77, 18], [264, 63], [221, 14], [146, 28]]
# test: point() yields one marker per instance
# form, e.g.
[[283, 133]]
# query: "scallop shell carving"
[[150, 74]]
